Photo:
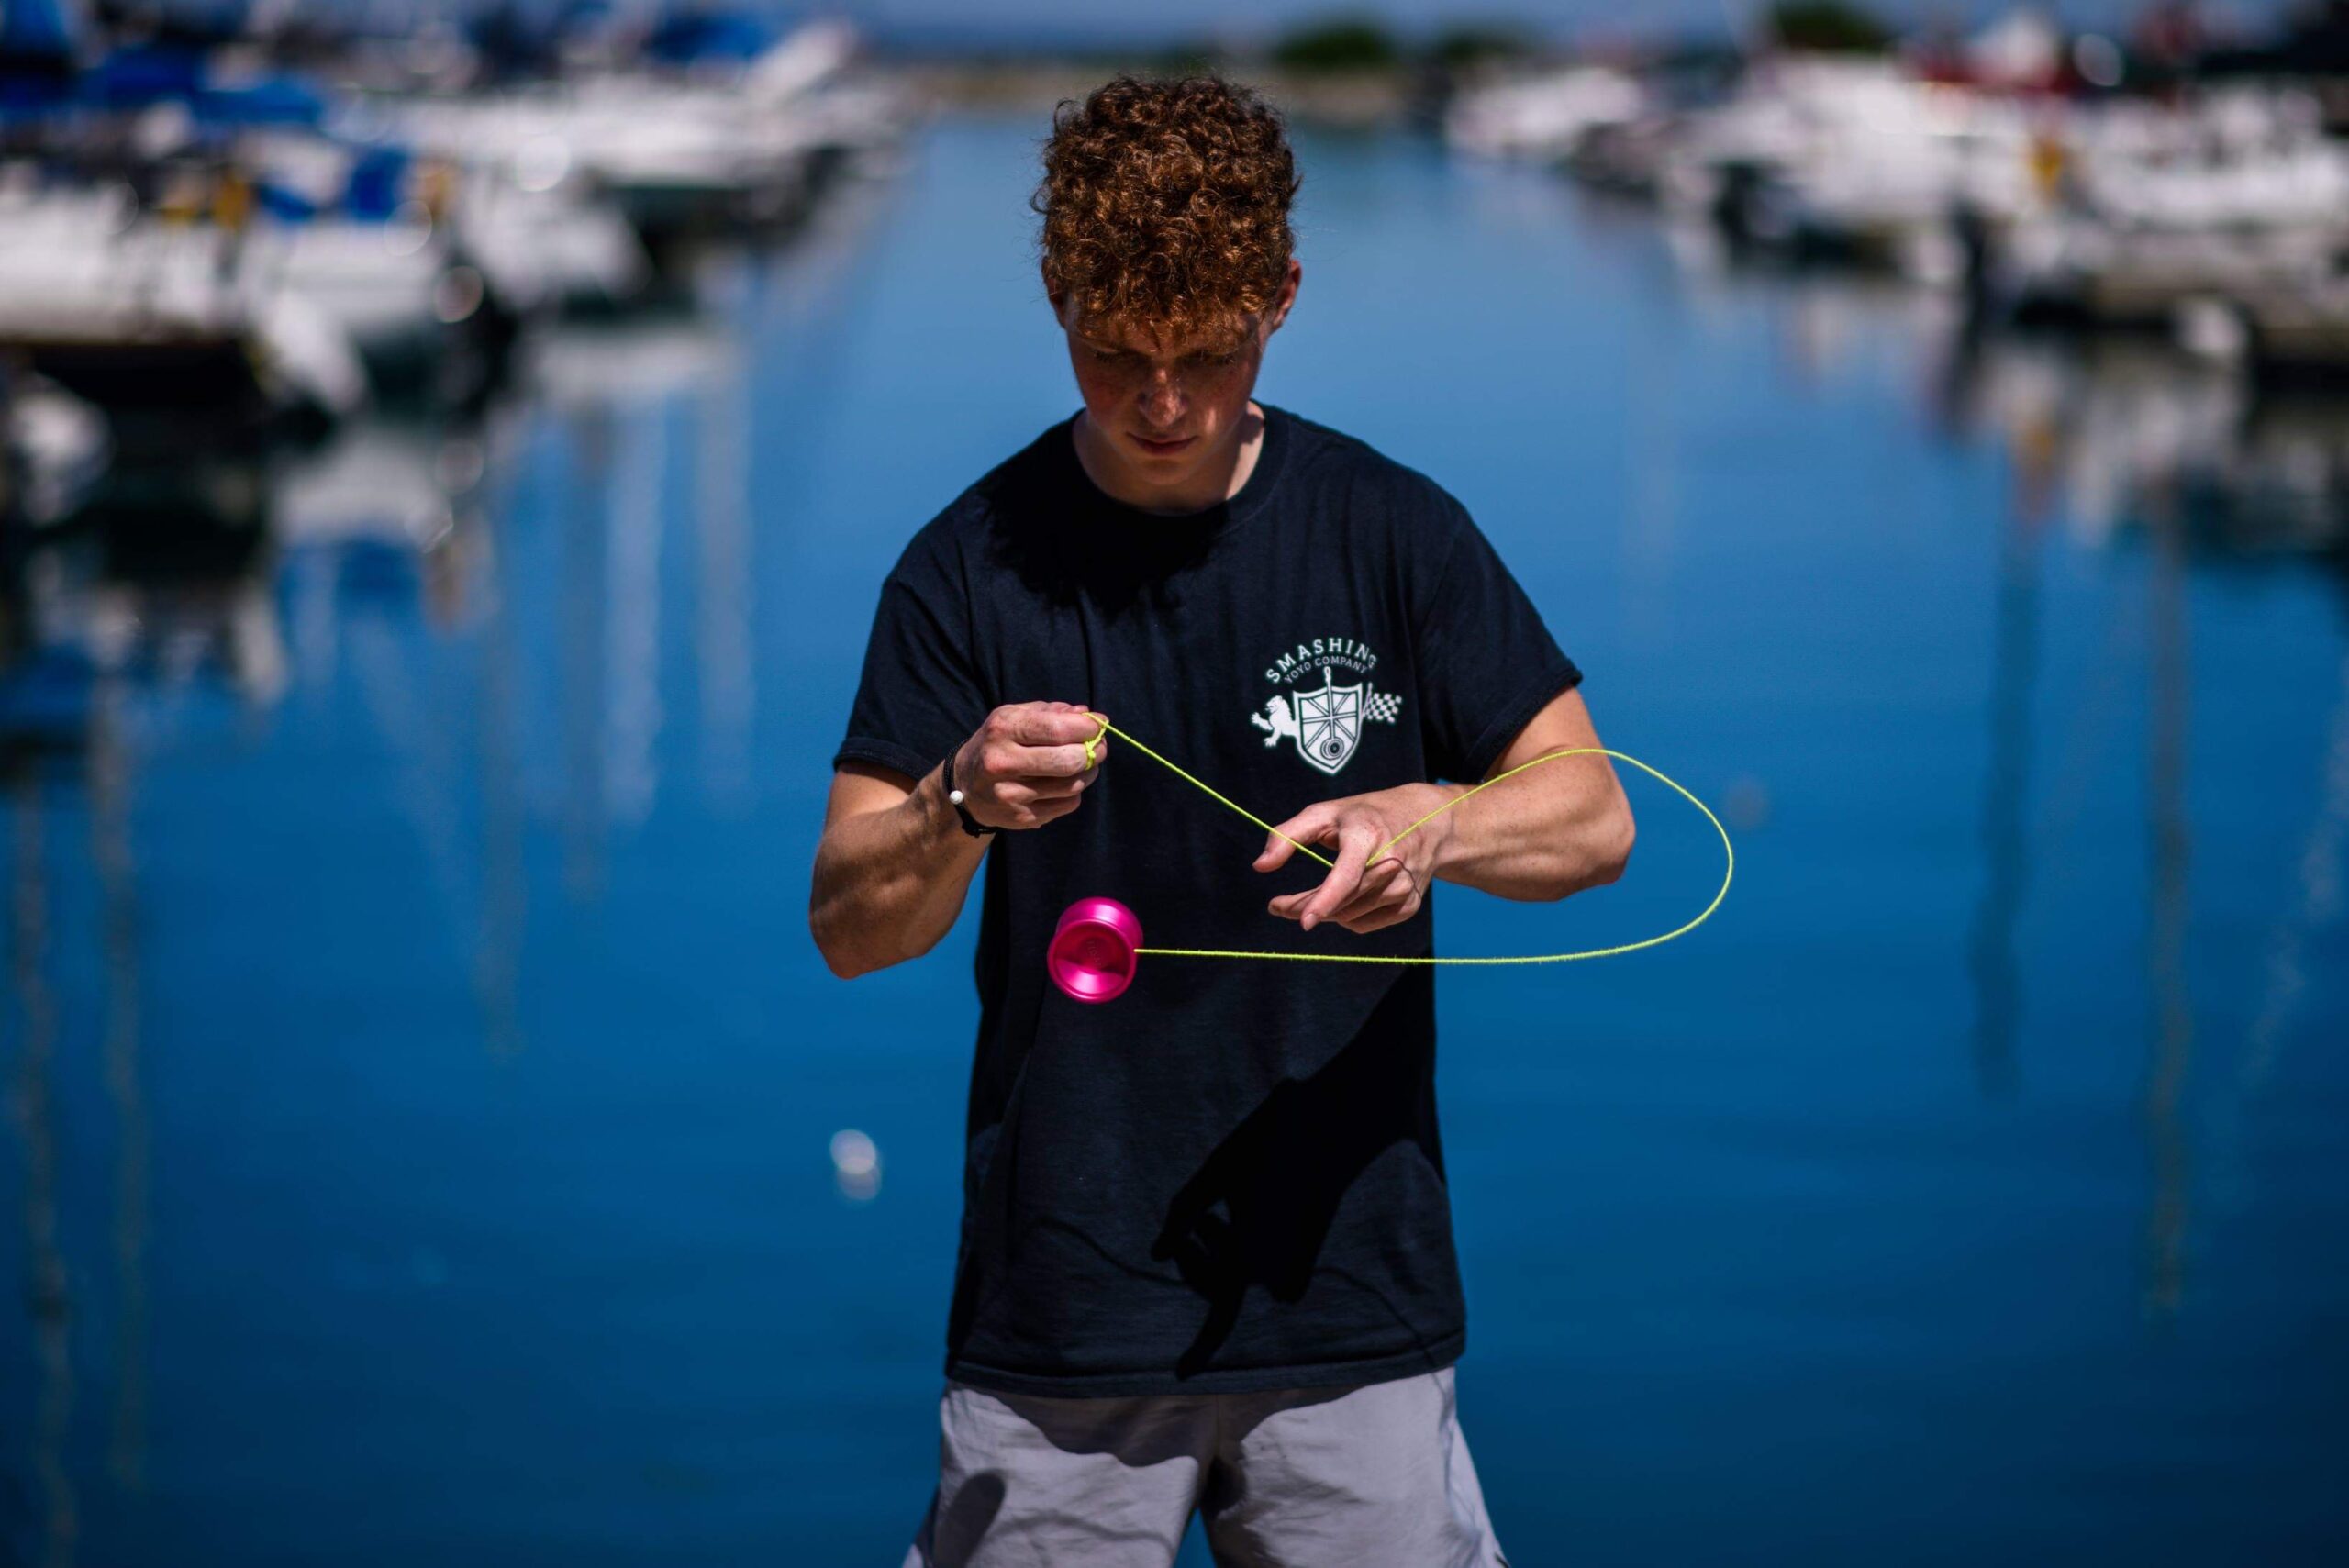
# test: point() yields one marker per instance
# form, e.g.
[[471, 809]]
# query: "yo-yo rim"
[[1089, 982]]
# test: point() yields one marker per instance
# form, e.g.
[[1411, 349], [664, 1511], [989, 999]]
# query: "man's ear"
[[1284, 298]]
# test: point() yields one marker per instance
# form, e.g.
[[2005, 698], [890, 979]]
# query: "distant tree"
[[1827, 26], [1465, 45], [1340, 43], [1190, 58]]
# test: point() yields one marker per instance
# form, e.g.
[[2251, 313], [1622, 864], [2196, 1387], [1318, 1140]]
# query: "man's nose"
[[1161, 399]]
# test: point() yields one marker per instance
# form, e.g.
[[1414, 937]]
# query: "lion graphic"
[[1275, 722]]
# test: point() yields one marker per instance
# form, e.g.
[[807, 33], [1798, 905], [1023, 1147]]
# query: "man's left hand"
[[1363, 894]]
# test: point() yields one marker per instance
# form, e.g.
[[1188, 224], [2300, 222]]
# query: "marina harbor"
[[451, 462]]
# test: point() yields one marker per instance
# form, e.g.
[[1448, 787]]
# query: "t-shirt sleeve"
[[1487, 664], [920, 695]]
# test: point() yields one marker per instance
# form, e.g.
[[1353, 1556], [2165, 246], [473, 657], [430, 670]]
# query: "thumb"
[[1304, 827]]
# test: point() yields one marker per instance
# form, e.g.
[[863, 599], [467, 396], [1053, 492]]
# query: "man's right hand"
[[1027, 764]]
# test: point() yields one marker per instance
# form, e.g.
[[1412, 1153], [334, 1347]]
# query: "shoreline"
[[1365, 100]]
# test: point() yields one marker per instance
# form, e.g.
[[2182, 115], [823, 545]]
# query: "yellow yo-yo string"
[[1727, 851]]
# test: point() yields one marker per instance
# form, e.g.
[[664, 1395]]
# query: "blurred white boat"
[[543, 241], [676, 156], [1855, 159], [150, 311], [2239, 198], [2292, 326], [1544, 117], [539, 236], [381, 283], [2078, 268]]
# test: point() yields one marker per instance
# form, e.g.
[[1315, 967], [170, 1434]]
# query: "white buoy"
[[856, 1166]]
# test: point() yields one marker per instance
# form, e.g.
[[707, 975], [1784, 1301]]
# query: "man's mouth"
[[1160, 447]]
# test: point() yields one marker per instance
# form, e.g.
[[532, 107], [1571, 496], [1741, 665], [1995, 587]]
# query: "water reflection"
[[122, 1013], [2128, 437], [2120, 429], [2139, 448], [446, 575], [2170, 909], [67, 745], [2006, 849], [2124, 437], [49, 1299], [2313, 902]]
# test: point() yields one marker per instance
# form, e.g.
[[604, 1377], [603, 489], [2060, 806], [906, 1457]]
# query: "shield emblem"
[[1328, 725]]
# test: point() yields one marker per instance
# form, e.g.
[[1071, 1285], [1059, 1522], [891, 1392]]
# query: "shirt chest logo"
[[1323, 718]]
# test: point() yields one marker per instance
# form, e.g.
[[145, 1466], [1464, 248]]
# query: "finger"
[[1402, 901], [1385, 916], [1375, 894], [1061, 761], [1385, 883], [1045, 811], [1046, 788], [1030, 812], [1355, 841], [1304, 828], [1008, 761], [1293, 904], [1039, 799], [1042, 724]]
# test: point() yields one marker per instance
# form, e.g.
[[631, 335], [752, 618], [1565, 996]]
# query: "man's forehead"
[[1145, 337]]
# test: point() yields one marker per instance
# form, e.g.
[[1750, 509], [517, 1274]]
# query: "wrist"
[[958, 804], [938, 819], [1431, 844]]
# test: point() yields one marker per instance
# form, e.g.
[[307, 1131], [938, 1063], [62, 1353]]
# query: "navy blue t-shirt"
[[1229, 1178]]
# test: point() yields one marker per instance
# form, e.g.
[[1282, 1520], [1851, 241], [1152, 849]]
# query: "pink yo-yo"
[[1094, 950]]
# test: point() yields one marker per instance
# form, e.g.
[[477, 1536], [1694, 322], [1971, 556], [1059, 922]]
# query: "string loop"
[[1728, 873]]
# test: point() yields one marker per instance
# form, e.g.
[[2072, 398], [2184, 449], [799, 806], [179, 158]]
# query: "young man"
[[1205, 1257]]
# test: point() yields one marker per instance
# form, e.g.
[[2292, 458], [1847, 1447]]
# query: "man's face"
[[1166, 407]]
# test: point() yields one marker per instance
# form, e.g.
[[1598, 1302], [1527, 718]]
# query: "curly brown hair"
[[1166, 204]]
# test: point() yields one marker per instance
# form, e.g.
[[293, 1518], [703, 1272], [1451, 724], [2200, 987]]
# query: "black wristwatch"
[[970, 825]]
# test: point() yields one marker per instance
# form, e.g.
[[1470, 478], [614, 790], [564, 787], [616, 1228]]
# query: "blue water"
[[424, 1081]]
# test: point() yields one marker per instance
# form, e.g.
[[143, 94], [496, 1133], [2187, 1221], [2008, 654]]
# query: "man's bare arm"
[[1546, 834], [1549, 832], [891, 872], [895, 865]]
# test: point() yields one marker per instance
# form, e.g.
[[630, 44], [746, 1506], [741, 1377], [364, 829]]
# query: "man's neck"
[[1219, 479]]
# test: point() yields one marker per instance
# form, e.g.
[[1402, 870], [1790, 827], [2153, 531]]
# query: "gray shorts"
[[1372, 1476]]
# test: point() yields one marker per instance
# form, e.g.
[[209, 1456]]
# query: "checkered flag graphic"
[[1381, 706]]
